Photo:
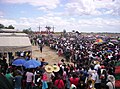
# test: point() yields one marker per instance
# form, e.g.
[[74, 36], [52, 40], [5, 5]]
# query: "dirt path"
[[49, 55]]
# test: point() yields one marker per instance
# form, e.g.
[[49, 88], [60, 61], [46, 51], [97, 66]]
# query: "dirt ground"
[[48, 54]]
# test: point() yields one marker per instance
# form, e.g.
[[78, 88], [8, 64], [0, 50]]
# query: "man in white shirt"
[[111, 82]]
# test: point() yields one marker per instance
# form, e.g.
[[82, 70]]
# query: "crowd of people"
[[90, 64]]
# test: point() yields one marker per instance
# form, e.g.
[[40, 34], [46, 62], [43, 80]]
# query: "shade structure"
[[13, 42], [19, 62], [32, 63]]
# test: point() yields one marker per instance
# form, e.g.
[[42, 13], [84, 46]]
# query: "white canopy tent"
[[13, 42]]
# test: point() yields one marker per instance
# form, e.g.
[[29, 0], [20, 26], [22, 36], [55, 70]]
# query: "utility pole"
[[39, 28], [53, 29]]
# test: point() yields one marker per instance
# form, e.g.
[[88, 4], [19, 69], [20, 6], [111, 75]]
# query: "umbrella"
[[114, 41], [110, 43], [109, 51], [19, 62], [98, 41], [32, 64]]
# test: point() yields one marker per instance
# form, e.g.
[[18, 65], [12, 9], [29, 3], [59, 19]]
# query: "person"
[[74, 80], [4, 83], [10, 77], [29, 79], [81, 84], [89, 85], [97, 80], [59, 83], [4, 65], [51, 86], [111, 82], [103, 78], [18, 81], [41, 47]]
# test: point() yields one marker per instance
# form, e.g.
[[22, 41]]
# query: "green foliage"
[[4, 27], [10, 27], [1, 26], [28, 31]]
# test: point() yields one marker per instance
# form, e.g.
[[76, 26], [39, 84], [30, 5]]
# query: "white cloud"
[[99, 22], [43, 9], [7, 21], [62, 23], [75, 7], [50, 4], [93, 7]]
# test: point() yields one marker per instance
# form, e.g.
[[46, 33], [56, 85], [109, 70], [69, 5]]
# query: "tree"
[[28, 31], [10, 27], [1, 26]]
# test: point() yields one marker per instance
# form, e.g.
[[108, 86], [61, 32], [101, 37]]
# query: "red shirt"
[[74, 81], [59, 83]]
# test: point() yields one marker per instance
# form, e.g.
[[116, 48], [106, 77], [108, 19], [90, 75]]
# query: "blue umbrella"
[[109, 51], [19, 62], [32, 64]]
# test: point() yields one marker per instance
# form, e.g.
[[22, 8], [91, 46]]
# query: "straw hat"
[[48, 68], [56, 68]]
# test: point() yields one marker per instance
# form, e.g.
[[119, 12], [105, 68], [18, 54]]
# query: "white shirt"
[[29, 76], [110, 85], [97, 66]]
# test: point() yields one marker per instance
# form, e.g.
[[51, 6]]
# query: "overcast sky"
[[79, 15]]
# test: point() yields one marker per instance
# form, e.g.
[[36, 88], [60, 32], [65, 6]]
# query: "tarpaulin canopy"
[[12, 42]]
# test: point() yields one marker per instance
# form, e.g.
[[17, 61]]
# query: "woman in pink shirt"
[[29, 79]]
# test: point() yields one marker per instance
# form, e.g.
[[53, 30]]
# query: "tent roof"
[[9, 30], [13, 34], [18, 42]]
